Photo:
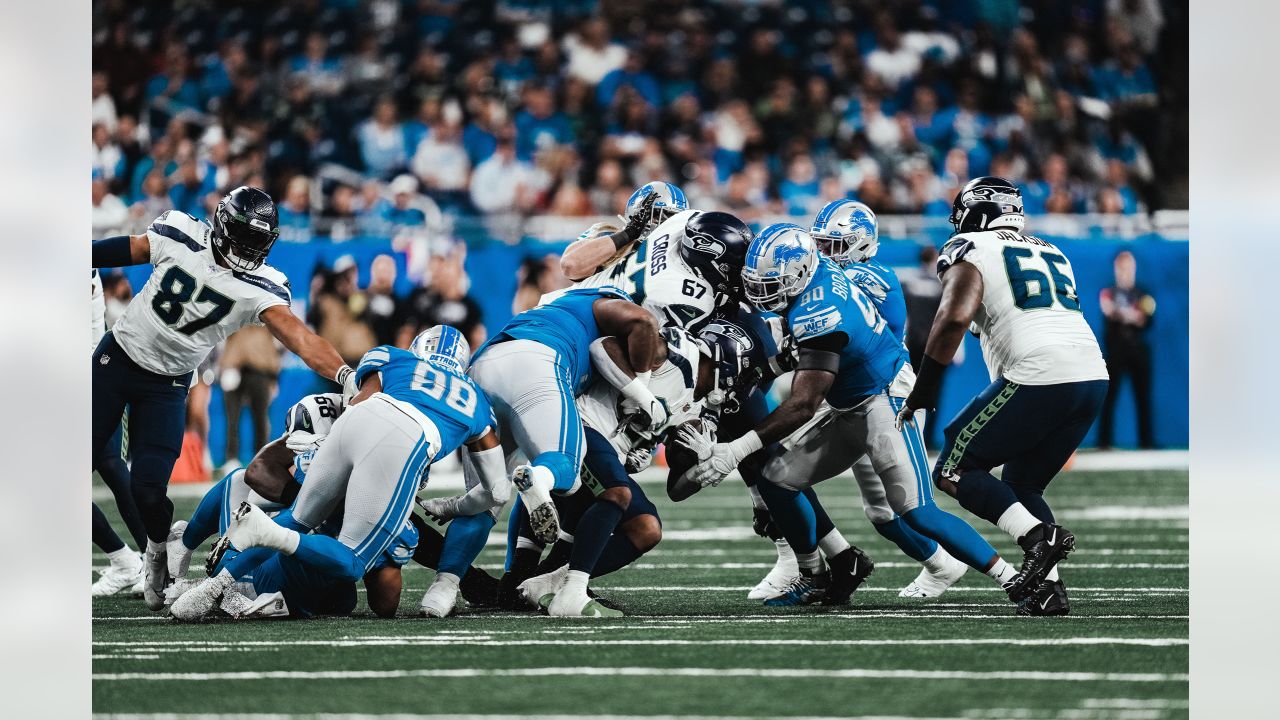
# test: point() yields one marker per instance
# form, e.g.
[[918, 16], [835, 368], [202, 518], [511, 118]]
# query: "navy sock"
[[982, 494], [957, 536], [1033, 500], [559, 555], [593, 532], [793, 514], [909, 541], [618, 553], [207, 519], [517, 527], [104, 536], [822, 521], [463, 542]]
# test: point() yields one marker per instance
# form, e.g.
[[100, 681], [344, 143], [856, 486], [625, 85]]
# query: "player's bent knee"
[[562, 467], [619, 496], [878, 514], [645, 532]]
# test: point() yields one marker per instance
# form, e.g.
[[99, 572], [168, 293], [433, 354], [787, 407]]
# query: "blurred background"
[[430, 158]]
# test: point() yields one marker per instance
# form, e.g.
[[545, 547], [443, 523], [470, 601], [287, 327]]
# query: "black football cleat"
[[479, 588], [219, 548], [1048, 599], [508, 597], [849, 570], [806, 589], [1043, 547]]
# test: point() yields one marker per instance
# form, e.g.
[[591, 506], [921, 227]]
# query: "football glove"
[[301, 441], [762, 523], [346, 377], [640, 220], [638, 459], [441, 509]]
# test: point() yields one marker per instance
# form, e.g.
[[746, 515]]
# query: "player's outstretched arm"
[[636, 329], [121, 251], [589, 254], [314, 350], [961, 298]]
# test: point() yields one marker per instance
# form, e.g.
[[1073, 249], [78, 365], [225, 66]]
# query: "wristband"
[[638, 391], [747, 444], [621, 239], [343, 373]]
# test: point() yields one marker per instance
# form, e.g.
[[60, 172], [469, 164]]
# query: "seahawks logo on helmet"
[[705, 243], [733, 332]]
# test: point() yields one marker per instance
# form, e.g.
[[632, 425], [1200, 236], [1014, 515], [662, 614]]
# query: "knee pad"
[[562, 467]]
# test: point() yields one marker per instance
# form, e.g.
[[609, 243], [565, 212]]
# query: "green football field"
[[693, 645]]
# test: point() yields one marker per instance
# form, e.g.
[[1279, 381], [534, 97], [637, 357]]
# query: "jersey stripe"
[[176, 235]]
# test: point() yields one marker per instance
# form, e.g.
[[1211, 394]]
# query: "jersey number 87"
[[460, 395]]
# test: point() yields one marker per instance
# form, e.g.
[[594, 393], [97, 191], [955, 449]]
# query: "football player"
[[602, 244], [848, 387], [846, 231], [1018, 293], [412, 407], [621, 523], [208, 281]]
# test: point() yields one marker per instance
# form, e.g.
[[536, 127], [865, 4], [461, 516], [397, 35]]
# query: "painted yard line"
[[405, 716], [746, 588], [924, 611], [690, 672], [222, 646], [892, 564]]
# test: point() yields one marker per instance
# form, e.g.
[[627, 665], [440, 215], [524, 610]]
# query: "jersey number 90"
[[438, 385]]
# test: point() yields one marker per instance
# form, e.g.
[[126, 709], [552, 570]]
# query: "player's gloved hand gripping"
[[716, 460]]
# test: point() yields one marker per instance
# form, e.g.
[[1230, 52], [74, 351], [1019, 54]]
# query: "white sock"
[[155, 548], [833, 543], [1053, 574], [810, 561], [1017, 521], [565, 536], [937, 562], [124, 557], [1002, 572], [784, 550], [524, 543], [448, 578], [575, 582], [287, 540]]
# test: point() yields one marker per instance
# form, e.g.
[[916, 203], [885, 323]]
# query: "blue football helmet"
[[845, 231], [443, 345], [985, 203], [779, 265], [671, 200]]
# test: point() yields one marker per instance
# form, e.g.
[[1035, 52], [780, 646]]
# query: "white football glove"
[[346, 377], [710, 470], [638, 459], [301, 441], [441, 509]]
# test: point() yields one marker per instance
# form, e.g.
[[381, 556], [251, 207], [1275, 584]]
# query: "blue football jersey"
[[871, 356], [450, 400], [881, 284], [566, 325]]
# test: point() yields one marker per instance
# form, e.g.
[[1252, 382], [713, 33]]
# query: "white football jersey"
[[1030, 324], [191, 303], [602, 406], [308, 423], [97, 310], [657, 278]]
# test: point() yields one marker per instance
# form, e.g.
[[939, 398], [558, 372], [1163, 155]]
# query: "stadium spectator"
[[504, 183], [441, 161], [382, 140], [1128, 310], [445, 302], [109, 215], [248, 372], [338, 311], [592, 53], [386, 311], [535, 278], [294, 212]]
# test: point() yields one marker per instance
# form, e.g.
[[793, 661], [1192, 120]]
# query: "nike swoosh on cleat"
[[1046, 602]]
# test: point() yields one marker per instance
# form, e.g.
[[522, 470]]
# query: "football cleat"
[[177, 588], [179, 556], [441, 598], [479, 588], [1043, 547], [1049, 599], [267, 605], [784, 572], [250, 527], [155, 576], [932, 584], [509, 590], [535, 491], [196, 603], [537, 590], [214, 558], [804, 590], [570, 604], [849, 569], [117, 578], [235, 604]]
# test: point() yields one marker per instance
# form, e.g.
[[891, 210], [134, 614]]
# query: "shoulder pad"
[[954, 251], [181, 228]]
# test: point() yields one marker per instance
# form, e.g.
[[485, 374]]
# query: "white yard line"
[[221, 645], [691, 672], [745, 588], [405, 716]]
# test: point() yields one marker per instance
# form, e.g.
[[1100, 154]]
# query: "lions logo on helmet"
[[443, 345], [671, 200], [985, 203], [845, 231], [779, 265]]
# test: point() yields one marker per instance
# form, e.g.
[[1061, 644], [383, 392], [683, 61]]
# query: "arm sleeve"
[[112, 252], [372, 362], [493, 490], [605, 365]]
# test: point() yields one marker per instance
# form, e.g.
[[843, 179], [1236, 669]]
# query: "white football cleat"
[[195, 603], [250, 527], [179, 557], [932, 584], [539, 590], [155, 576], [119, 577], [235, 604], [785, 571], [177, 588], [570, 603], [534, 485], [441, 598]]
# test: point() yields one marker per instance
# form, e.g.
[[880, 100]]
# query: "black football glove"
[[762, 523], [640, 221]]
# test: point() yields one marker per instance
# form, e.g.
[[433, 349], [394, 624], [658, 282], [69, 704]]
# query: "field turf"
[[692, 643]]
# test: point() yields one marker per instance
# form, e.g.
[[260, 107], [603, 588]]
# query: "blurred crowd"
[[384, 117]]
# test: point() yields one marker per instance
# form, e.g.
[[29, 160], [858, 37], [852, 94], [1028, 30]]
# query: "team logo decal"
[[705, 243], [104, 360]]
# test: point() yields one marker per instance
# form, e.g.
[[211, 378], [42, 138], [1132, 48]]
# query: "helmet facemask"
[[243, 242], [770, 292]]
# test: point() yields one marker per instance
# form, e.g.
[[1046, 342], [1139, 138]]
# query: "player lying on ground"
[[620, 523], [272, 481], [848, 387], [1018, 293], [208, 281], [411, 409]]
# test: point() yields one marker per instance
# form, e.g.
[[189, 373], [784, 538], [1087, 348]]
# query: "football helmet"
[[245, 226], [714, 246], [731, 351], [443, 345], [985, 203], [778, 267], [671, 200], [845, 231]]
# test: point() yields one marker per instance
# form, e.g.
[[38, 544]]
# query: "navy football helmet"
[[986, 203], [715, 246], [245, 226]]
